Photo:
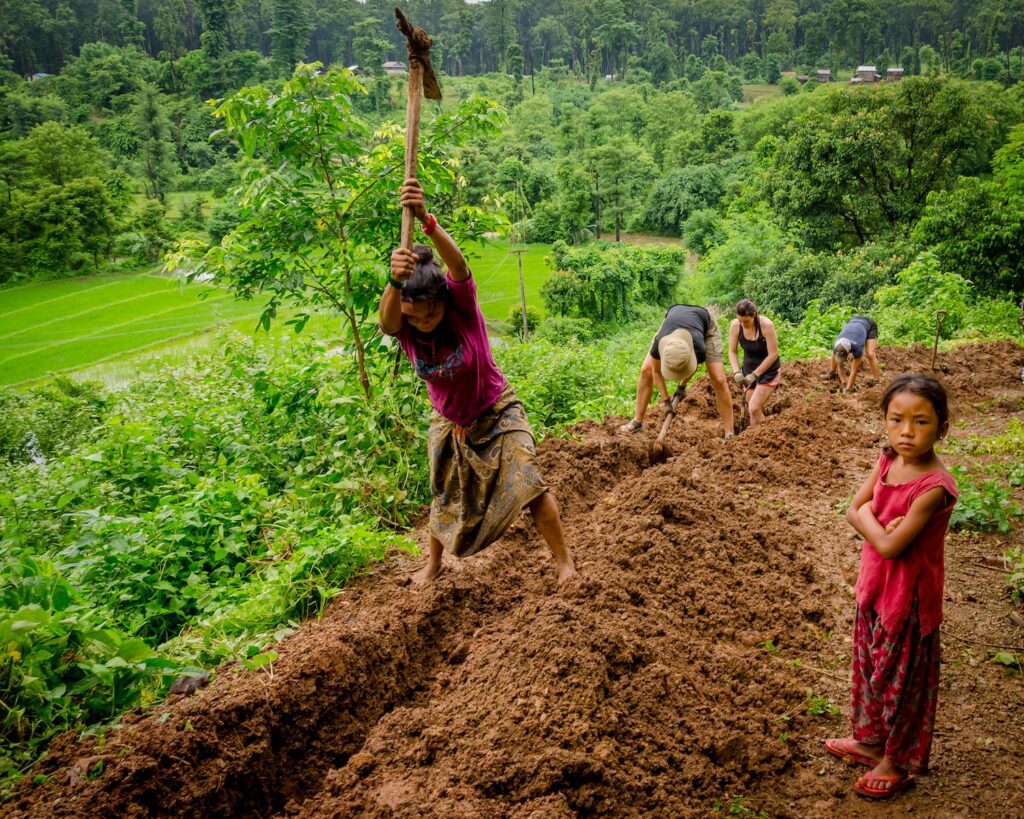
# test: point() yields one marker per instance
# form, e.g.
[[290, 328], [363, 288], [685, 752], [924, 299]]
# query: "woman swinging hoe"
[[483, 469]]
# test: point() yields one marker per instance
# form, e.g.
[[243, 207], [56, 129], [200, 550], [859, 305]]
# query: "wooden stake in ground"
[[522, 291], [421, 78], [940, 318]]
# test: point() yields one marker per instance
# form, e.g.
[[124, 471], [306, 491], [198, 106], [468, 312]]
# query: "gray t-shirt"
[[857, 331]]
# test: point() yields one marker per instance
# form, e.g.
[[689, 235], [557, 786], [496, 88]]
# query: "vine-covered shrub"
[[605, 282]]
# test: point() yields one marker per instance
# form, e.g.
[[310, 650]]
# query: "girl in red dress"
[[902, 511]]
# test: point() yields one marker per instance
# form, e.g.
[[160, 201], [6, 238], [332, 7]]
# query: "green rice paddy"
[[61, 325], [69, 324]]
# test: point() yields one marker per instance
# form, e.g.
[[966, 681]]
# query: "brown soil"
[[714, 593]]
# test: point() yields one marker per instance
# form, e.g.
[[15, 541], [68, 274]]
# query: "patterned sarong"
[[895, 688], [482, 475]]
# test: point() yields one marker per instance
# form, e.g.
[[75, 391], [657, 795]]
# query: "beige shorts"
[[713, 344]]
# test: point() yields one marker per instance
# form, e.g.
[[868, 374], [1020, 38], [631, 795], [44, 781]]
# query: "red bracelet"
[[431, 225]]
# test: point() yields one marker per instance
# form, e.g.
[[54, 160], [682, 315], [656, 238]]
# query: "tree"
[[515, 61], [216, 16], [289, 33], [789, 86], [977, 228], [499, 27], [156, 153], [369, 47], [59, 154], [863, 166], [678, 194], [61, 223], [717, 136], [457, 32], [622, 169], [549, 38], [313, 230], [13, 168], [604, 284], [574, 202]]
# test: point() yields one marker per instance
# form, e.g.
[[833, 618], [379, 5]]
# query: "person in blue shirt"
[[859, 339]]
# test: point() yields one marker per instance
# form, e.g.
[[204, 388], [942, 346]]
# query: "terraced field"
[[61, 325]]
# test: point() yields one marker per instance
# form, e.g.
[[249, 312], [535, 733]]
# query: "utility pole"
[[522, 289]]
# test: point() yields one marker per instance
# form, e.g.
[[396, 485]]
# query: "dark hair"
[[745, 307], [922, 385], [427, 282]]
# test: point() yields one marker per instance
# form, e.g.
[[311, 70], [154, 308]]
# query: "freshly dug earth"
[[687, 669]]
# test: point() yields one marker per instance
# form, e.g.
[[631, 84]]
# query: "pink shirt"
[[889, 586], [455, 360]]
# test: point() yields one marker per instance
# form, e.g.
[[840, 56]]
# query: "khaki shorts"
[[713, 344]]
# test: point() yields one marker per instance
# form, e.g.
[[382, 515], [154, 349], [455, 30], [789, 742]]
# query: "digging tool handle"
[[940, 318], [677, 396], [412, 134]]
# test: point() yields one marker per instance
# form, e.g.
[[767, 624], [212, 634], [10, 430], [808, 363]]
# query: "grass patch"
[[760, 90], [61, 325], [497, 277]]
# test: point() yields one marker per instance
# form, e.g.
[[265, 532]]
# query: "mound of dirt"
[[665, 678]]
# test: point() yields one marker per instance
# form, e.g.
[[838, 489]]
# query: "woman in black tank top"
[[761, 371]]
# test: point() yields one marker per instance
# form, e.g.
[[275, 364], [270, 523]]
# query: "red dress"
[[896, 634]]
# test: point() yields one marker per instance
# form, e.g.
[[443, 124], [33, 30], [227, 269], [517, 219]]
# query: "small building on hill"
[[393, 68], [823, 75], [866, 74], [894, 74]]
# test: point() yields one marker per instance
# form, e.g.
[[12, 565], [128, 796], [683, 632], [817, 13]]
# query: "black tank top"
[[755, 351]]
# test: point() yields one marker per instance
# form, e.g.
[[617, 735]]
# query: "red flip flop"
[[900, 784], [840, 748]]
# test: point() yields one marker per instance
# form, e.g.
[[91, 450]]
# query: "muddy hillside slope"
[[690, 667]]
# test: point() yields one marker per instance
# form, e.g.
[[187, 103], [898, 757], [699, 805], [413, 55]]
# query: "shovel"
[[421, 79], [659, 449]]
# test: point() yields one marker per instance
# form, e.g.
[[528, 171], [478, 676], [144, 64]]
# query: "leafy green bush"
[[678, 194], [604, 283], [856, 275], [907, 309], [42, 421], [783, 285], [515, 320], [751, 240], [208, 506], [564, 381], [60, 666], [703, 230], [557, 329], [986, 506]]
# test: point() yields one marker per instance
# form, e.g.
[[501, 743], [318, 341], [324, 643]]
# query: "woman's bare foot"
[[427, 573], [433, 567], [566, 569]]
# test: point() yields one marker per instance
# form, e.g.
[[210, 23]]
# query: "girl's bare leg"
[[429, 572], [546, 518]]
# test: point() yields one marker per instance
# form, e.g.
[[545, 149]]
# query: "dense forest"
[[614, 124], [607, 36]]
